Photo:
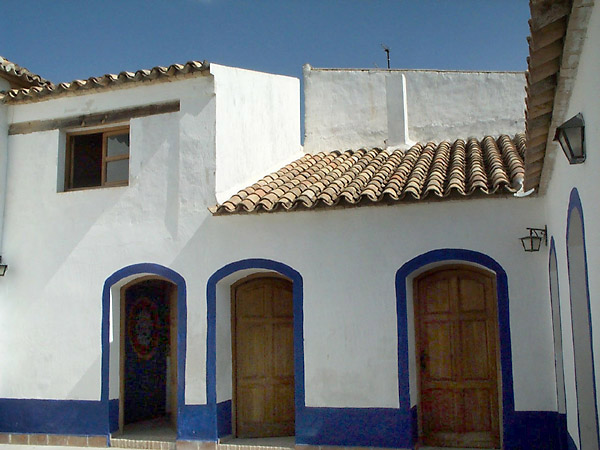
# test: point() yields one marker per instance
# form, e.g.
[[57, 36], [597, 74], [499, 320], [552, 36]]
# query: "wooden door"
[[457, 356], [263, 350]]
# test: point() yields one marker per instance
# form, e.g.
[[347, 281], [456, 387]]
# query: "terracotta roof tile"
[[20, 76], [39, 92], [369, 176]]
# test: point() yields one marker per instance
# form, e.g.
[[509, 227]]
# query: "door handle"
[[423, 361]]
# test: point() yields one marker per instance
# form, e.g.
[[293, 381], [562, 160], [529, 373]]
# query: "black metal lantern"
[[3, 267], [533, 242], [571, 138]]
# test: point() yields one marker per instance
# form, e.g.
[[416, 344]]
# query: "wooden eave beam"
[[534, 141], [545, 70], [91, 120], [539, 110], [548, 34], [541, 86], [540, 99], [544, 12], [545, 54]]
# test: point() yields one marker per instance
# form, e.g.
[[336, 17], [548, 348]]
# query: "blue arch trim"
[[448, 254], [211, 348], [576, 207], [561, 418], [139, 269]]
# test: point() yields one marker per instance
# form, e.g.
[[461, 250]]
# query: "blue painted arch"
[[466, 256], [575, 208], [211, 353], [141, 270]]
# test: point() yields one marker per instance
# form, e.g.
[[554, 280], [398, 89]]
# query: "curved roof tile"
[[370, 176], [43, 90]]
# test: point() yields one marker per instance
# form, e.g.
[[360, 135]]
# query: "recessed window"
[[97, 159]]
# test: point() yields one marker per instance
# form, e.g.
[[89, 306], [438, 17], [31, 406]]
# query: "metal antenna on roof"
[[386, 49]]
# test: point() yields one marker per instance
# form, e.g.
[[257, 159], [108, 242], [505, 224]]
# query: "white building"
[[370, 292]]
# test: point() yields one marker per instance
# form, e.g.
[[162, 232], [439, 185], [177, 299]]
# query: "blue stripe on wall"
[[113, 415], [224, 418], [358, 427], [536, 430], [75, 417], [196, 423], [367, 427]]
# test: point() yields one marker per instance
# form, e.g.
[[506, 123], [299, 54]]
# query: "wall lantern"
[[570, 136], [3, 267], [533, 242]]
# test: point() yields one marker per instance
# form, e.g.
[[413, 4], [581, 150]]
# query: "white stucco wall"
[[61, 247], [352, 108], [584, 177], [3, 163], [258, 126], [350, 337]]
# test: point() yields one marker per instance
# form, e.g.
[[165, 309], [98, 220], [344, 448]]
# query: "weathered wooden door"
[[457, 355], [263, 349]]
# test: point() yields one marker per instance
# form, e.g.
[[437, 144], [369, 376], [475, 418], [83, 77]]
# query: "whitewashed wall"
[[348, 260], [584, 99], [351, 108], [3, 162], [61, 247], [258, 126]]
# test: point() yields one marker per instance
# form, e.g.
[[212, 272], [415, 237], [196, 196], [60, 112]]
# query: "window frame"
[[106, 133]]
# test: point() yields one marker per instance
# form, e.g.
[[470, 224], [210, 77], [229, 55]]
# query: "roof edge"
[[105, 82]]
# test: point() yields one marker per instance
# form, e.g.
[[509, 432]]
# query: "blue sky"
[[67, 39]]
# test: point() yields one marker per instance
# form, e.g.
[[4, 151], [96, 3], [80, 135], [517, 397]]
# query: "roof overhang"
[[558, 29]]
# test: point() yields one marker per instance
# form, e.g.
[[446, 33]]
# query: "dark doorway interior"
[[149, 361]]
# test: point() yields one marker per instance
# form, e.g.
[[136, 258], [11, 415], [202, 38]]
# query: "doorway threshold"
[[156, 434], [272, 443]]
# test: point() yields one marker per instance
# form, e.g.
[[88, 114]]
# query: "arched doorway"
[[457, 350], [148, 353], [219, 374], [262, 332], [581, 319]]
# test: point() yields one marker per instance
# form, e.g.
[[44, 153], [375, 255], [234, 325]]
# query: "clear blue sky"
[[67, 39]]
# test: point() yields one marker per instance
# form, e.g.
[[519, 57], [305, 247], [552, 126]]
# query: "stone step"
[[142, 444]]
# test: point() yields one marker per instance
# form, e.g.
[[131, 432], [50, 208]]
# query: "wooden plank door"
[[457, 356], [263, 341]]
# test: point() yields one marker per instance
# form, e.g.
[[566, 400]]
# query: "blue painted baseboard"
[[224, 418], [74, 417], [197, 423], [113, 415], [543, 430], [368, 427], [360, 427]]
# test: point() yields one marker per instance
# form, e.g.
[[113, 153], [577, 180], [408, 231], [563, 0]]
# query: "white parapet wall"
[[257, 126], [354, 108]]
